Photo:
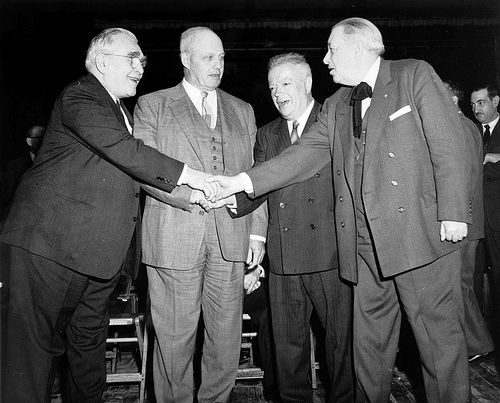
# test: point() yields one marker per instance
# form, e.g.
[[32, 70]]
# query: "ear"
[[100, 63], [309, 83], [185, 60], [496, 99], [29, 141], [455, 99]]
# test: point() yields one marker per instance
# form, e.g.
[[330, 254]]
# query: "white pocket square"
[[400, 112]]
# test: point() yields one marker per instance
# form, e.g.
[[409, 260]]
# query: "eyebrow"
[[134, 53]]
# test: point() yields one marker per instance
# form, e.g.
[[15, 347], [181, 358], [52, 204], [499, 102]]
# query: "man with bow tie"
[[401, 176]]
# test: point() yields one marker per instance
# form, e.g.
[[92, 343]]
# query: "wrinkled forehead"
[[286, 71], [481, 95], [207, 42]]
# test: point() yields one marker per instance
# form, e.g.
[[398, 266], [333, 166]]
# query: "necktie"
[[362, 91], [294, 136], [206, 112], [486, 136]]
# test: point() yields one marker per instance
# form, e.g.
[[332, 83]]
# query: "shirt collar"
[[492, 124], [371, 76], [302, 119]]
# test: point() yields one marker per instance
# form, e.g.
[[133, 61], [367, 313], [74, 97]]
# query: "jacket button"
[[312, 226], [284, 229], [282, 205], [136, 195], [401, 209], [134, 219], [394, 183], [201, 213], [311, 200], [391, 155], [342, 224], [341, 198], [317, 175], [338, 172]]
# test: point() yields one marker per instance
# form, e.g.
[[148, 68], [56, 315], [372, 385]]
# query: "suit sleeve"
[[90, 120], [297, 163], [447, 143]]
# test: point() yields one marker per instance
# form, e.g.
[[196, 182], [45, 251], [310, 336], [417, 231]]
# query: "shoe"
[[478, 358]]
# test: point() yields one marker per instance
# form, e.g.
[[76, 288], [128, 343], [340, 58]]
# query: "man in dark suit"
[[401, 182], [484, 103], [72, 220], [302, 248], [479, 342], [195, 260]]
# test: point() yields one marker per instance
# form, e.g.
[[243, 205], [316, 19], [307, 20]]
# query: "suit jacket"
[[301, 232], [172, 228], [78, 204], [416, 169], [475, 147], [491, 177]]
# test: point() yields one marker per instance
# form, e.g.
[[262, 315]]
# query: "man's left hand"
[[256, 252], [453, 231]]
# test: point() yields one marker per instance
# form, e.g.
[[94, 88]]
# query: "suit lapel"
[[186, 115], [382, 100], [344, 131]]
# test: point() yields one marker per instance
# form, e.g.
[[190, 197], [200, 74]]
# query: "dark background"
[[43, 45]]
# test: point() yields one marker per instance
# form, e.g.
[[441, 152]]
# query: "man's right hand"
[[229, 184], [197, 180]]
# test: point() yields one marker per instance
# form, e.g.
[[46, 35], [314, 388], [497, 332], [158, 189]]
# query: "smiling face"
[[117, 73], [484, 108], [290, 87], [204, 61]]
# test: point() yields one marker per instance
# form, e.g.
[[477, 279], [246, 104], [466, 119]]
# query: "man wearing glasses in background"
[[71, 223]]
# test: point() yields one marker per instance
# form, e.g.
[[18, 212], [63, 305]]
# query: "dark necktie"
[[362, 91], [486, 136], [205, 109], [294, 136]]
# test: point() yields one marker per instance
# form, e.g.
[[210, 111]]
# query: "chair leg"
[[314, 365], [144, 354]]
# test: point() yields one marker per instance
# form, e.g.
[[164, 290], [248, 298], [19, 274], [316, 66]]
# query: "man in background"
[[479, 342], [195, 259], [484, 102]]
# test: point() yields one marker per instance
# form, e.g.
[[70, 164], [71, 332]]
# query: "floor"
[[407, 386]]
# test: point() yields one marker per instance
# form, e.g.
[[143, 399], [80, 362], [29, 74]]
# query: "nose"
[[326, 59]]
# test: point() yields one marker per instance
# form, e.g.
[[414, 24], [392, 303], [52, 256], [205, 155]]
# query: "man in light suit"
[[402, 207], [479, 342], [71, 223], [198, 267], [484, 103], [302, 248]]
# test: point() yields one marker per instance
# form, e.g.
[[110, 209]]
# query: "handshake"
[[212, 192]]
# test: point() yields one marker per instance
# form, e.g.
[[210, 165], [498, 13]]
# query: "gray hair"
[[290, 58], [188, 37], [102, 43], [364, 31]]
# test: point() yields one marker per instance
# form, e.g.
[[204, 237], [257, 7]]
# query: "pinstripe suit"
[[302, 251], [197, 264]]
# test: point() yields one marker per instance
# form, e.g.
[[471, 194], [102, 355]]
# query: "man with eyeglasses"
[[72, 221]]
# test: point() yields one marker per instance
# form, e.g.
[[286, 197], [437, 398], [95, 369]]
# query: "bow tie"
[[361, 91]]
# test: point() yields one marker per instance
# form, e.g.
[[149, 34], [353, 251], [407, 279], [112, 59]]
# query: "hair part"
[[102, 44], [492, 89], [364, 31], [290, 58]]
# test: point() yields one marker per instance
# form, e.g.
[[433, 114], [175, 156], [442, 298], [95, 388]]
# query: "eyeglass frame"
[[142, 61]]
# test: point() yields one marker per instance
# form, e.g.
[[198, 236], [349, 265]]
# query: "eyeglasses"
[[134, 60]]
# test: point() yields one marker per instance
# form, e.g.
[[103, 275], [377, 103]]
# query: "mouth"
[[282, 104], [134, 80]]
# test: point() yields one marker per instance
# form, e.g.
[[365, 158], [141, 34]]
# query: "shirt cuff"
[[247, 182], [258, 238], [183, 174]]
